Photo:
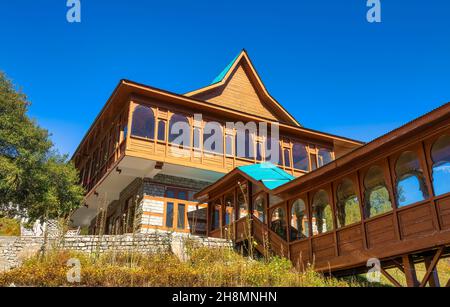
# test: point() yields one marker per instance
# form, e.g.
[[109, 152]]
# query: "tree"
[[35, 181]]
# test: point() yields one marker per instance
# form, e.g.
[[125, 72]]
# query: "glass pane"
[[259, 208], [287, 158], [143, 124], [182, 195], [216, 216], [169, 215], [411, 186], [230, 209], [376, 194], [197, 143], [324, 157], [440, 154], [299, 221], [181, 216], [259, 151], [313, 162], [348, 210], [242, 200], [229, 145], [273, 151], [170, 193], [179, 130], [322, 215], [300, 157], [278, 222], [161, 130]]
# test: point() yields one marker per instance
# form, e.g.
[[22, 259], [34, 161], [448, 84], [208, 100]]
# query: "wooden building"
[[137, 178], [325, 199]]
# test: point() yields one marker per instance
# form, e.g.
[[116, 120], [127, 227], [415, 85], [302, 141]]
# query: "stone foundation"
[[14, 250]]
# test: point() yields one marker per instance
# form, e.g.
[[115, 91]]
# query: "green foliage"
[[206, 267], [379, 201], [34, 180], [9, 227]]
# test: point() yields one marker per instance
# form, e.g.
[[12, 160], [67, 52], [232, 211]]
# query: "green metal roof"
[[267, 173], [224, 72]]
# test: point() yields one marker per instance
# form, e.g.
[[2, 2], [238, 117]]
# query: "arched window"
[[242, 196], [440, 154], [278, 222], [179, 130], [300, 157], [376, 195], [213, 138], [143, 124], [411, 184], [325, 157], [299, 221], [322, 214], [348, 211], [259, 208]]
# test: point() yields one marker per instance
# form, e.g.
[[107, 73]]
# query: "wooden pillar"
[[410, 271], [434, 277]]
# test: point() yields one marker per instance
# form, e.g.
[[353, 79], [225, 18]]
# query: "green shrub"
[[9, 227], [205, 267]]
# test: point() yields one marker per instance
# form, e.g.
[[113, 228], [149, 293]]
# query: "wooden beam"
[[431, 268], [410, 271], [390, 278]]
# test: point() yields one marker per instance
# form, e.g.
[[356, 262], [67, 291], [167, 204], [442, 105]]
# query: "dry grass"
[[206, 267]]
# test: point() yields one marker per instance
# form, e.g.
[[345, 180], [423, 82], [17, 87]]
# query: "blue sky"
[[321, 59]]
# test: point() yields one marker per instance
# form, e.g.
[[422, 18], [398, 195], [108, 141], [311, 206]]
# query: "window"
[[278, 222], [143, 124], [300, 157], [411, 184], [213, 138], [169, 215], [179, 130], [376, 195], [287, 157], [325, 157], [348, 210], [229, 208], [313, 162], [249, 145], [259, 156], [322, 214], [242, 200], [273, 151], [181, 216], [161, 131], [217, 215], [299, 221], [229, 145], [130, 212], [197, 141], [259, 208], [440, 154]]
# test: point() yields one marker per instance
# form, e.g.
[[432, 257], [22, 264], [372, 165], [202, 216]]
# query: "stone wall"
[[14, 250]]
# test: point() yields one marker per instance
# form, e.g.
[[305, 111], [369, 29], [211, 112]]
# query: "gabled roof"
[[220, 83], [266, 175]]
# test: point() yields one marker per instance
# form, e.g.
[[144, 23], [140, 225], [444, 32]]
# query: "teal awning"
[[267, 173]]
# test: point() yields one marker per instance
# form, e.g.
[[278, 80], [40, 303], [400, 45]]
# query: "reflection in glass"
[[322, 214], [440, 154], [376, 195], [278, 222], [259, 208], [299, 221], [348, 210]]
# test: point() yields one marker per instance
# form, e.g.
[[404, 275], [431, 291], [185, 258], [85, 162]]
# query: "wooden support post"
[[390, 278], [410, 271], [431, 269]]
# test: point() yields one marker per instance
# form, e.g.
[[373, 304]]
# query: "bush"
[[9, 227], [206, 267]]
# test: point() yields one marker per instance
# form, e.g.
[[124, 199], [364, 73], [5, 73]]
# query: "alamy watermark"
[[74, 12], [374, 13]]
